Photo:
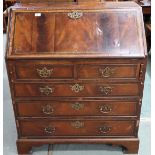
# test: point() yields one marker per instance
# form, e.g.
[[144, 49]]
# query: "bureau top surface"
[[76, 30]]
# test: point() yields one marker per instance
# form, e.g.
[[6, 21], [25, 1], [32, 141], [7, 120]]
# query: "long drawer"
[[76, 108], [76, 128], [76, 89]]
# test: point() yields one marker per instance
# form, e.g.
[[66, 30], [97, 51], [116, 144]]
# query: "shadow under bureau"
[[76, 73]]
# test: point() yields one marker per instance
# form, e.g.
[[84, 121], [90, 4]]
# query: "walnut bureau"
[[76, 73]]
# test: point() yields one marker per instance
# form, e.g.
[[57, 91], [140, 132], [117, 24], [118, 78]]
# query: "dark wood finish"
[[79, 79], [83, 70], [35, 71], [110, 71], [76, 108], [88, 89], [65, 39], [75, 128]]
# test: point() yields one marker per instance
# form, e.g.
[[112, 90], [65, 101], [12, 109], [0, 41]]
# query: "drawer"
[[108, 71], [75, 89], [76, 108], [43, 70], [76, 128]]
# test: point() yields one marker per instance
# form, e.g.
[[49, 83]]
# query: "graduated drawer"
[[76, 108], [76, 127], [38, 70], [75, 89], [108, 71]]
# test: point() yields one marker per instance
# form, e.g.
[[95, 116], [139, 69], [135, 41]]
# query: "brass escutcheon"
[[77, 106], [105, 129], [105, 109], [44, 72], [49, 130], [77, 124], [75, 15], [106, 90], [46, 90], [48, 109], [77, 88], [106, 72]]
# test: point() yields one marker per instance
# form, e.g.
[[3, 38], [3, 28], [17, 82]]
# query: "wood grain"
[[31, 128], [76, 108]]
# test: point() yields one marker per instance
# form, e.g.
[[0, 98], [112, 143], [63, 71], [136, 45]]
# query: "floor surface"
[[10, 134]]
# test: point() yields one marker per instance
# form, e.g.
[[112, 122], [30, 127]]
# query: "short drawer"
[[75, 89], [42, 70], [76, 108], [108, 71], [76, 128]]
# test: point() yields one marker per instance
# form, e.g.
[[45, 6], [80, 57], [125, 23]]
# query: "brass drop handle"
[[48, 109], [44, 72], [77, 124], [77, 88], [105, 109], [46, 90], [77, 106], [106, 72], [106, 90], [49, 130], [105, 129]]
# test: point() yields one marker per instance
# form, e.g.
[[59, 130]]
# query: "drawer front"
[[111, 71], [75, 89], [76, 108], [43, 70], [76, 128]]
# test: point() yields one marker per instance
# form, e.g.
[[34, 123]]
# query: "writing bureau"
[[76, 73]]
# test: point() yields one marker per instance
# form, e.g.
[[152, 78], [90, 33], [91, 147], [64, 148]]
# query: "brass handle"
[[77, 124], [107, 90], [77, 106], [105, 109], [106, 72], [44, 72], [105, 129], [46, 90], [75, 15], [49, 130], [77, 88], [48, 109]]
